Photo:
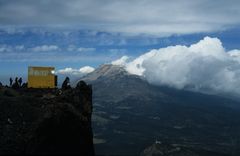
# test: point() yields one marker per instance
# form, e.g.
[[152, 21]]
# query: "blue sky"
[[79, 33]]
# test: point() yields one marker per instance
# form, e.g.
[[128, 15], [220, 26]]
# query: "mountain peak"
[[109, 69], [106, 71]]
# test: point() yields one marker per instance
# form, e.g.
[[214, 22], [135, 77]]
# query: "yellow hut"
[[41, 77]]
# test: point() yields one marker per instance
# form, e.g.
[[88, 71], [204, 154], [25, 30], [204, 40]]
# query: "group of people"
[[17, 83]]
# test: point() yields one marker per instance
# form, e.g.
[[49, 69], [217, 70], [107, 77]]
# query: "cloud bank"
[[7, 48], [155, 17], [23, 48], [205, 66]]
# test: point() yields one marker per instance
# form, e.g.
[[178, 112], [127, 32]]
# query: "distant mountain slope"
[[160, 149], [115, 84], [130, 113]]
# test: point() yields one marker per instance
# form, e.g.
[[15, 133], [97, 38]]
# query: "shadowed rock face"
[[51, 122]]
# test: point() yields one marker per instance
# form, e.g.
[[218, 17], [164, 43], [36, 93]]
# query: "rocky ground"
[[44, 121]]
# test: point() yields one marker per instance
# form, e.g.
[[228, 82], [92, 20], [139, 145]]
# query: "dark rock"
[[10, 92], [47, 122]]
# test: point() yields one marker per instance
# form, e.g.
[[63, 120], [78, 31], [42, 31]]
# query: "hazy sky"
[[78, 33]]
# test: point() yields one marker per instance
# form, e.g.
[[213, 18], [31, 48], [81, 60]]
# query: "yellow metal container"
[[41, 77]]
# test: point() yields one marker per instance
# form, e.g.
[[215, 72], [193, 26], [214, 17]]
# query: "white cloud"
[[119, 50], [77, 72], [66, 70], [9, 48], [4, 48], [82, 49], [135, 67], [20, 47], [86, 69], [23, 48], [71, 48], [45, 48], [235, 54], [121, 62], [205, 66]]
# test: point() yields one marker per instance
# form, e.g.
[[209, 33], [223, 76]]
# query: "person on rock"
[[16, 84], [20, 82], [11, 82], [66, 84]]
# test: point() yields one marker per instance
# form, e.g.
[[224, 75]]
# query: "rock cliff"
[[41, 121]]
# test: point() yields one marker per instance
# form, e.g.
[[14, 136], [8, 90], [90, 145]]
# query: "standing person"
[[66, 83], [15, 85], [11, 82], [16, 80], [20, 82]]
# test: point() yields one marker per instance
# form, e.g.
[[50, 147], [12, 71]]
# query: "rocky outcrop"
[[37, 121]]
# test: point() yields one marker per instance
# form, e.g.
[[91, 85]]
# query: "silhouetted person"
[[1, 85], [66, 83], [15, 85], [20, 81], [11, 81]]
